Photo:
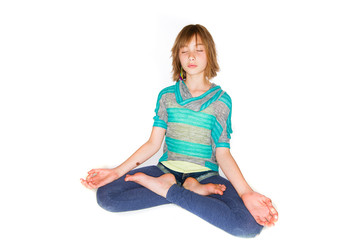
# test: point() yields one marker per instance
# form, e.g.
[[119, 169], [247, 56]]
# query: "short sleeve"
[[160, 119], [223, 122]]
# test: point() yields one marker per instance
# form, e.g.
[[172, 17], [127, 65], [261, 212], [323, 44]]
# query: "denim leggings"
[[226, 211]]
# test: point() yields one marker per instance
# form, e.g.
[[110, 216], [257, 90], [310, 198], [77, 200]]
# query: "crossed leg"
[[223, 209], [149, 186], [203, 189], [161, 185]]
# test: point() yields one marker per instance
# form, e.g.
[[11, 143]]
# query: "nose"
[[191, 57]]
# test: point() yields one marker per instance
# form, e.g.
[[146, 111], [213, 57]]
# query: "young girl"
[[194, 116]]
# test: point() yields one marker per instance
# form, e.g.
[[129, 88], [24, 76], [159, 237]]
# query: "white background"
[[79, 82]]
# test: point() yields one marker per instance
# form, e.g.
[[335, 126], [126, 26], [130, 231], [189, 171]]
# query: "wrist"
[[246, 192], [118, 172]]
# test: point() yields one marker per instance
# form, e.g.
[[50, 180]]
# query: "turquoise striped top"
[[195, 126]]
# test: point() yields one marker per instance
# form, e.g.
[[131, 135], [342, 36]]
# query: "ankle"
[[190, 183]]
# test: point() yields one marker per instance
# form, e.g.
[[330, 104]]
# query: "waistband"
[[199, 176]]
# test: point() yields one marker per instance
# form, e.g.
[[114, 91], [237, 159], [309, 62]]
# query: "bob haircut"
[[183, 38]]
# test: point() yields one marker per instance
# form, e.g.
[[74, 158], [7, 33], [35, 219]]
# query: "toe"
[[129, 178], [136, 177]]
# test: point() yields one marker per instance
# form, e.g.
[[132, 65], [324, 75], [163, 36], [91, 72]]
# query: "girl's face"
[[193, 57]]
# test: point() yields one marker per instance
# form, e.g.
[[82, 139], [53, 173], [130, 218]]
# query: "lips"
[[192, 66]]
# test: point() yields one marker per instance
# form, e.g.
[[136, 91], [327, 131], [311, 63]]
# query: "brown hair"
[[183, 38]]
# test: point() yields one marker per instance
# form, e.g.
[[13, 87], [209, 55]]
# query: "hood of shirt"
[[184, 97]]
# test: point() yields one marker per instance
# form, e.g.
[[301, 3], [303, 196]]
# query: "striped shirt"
[[195, 126]]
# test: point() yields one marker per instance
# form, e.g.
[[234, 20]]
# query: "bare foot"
[[159, 185], [203, 189]]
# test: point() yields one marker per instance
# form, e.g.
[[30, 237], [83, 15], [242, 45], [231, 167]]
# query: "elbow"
[[156, 139], [222, 153], [154, 145]]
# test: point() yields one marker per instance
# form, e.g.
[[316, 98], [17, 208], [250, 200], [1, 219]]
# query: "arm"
[[101, 177], [145, 152], [232, 171], [258, 205]]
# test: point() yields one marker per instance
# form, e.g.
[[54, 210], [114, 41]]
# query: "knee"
[[104, 200], [249, 229]]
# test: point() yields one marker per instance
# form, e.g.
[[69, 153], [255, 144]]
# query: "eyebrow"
[[198, 44]]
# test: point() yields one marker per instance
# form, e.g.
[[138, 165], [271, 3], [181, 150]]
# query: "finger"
[[85, 183], [88, 184], [271, 208], [97, 178], [273, 213], [92, 175], [89, 178], [271, 220], [269, 224], [267, 221], [92, 171], [268, 201], [261, 221], [92, 185], [275, 217]]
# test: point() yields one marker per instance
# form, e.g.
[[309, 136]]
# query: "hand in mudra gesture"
[[260, 208], [99, 177]]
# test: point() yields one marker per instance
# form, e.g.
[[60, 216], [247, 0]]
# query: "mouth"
[[192, 66]]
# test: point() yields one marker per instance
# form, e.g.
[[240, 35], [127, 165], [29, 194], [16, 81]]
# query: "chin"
[[194, 72]]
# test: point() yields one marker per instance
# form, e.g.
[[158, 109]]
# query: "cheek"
[[203, 59], [182, 59]]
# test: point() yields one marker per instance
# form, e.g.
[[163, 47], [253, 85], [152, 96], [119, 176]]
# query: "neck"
[[197, 85], [197, 82]]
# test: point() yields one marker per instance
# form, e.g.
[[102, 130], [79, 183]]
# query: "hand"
[[99, 177], [260, 208]]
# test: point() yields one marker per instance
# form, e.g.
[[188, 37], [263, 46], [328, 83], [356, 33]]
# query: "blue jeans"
[[226, 211]]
